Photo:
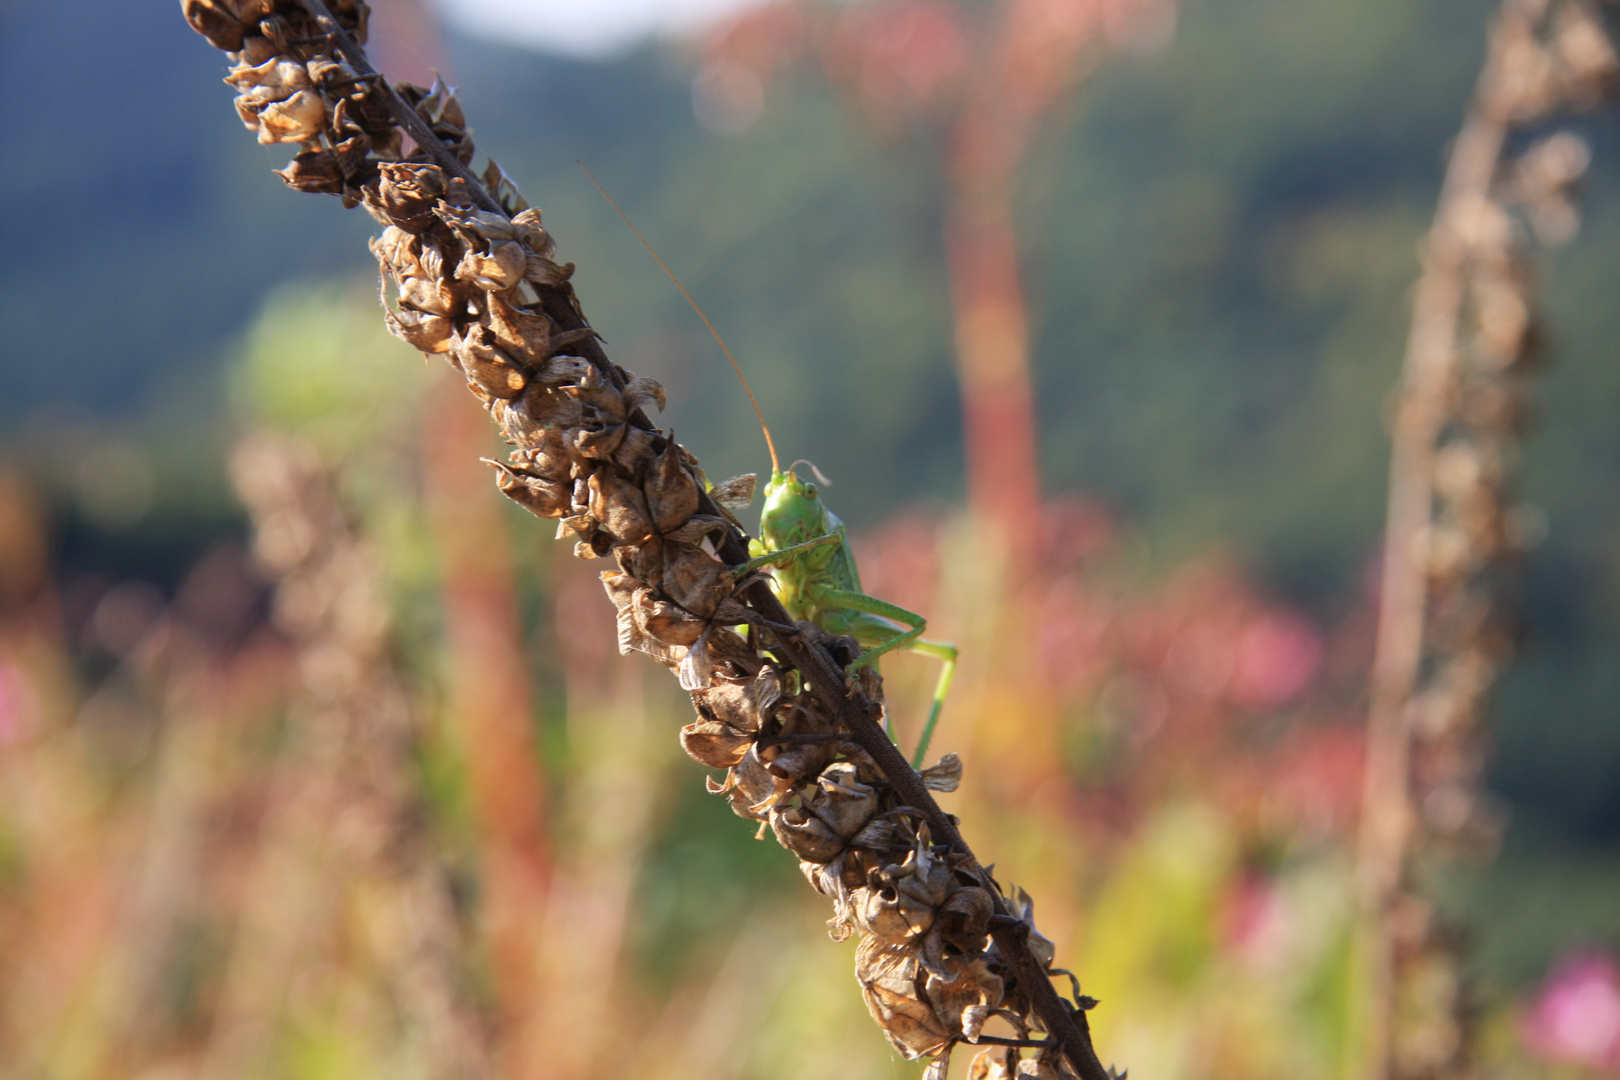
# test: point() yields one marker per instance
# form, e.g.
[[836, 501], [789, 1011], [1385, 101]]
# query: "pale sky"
[[582, 27]]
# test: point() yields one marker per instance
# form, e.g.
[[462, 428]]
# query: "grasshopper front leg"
[[877, 626], [781, 556]]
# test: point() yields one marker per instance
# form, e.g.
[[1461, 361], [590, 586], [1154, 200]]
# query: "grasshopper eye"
[[810, 491]]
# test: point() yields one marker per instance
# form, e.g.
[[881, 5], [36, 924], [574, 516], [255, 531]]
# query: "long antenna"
[[770, 444]]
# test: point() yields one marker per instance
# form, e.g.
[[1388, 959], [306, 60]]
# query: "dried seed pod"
[[945, 775], [964, 919], [225, 23], [620, 507], [506, 192], [528, 230], [718, 651], [749, 787], [668, 622], [729, 721], [831, 812], [563, 370], [542, 271], [635, 449], [539, 421], [316, 171], [998, 1063], [625, 591], [429, 295], [489, 369], [516, 329], [964, 991], [278, 99], [500, 268], [671, 489], [890, 976], [899, 901], [439, 109], [641, 393], [256, 49], [734, 495], [335, 78], [599, 433], [428, 332], [406, 194], [1023, 908], [695, 579], [541, 497], [645, 562]]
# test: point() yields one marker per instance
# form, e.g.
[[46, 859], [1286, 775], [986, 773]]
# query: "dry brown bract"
[[483, 289]]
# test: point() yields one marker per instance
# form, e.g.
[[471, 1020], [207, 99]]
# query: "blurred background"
[[318, 761]]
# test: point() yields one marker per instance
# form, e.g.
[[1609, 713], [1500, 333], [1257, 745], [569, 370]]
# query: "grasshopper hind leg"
[[888, 627], [946, 654]]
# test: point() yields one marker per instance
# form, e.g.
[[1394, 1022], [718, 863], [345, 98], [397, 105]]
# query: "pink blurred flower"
[[1576, 1014], [15, 704], [1255, 923], [1278, 655], [1313, 780]]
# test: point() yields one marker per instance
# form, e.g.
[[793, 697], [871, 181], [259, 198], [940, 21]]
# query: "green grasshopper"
[[812, 567], [802, 543]]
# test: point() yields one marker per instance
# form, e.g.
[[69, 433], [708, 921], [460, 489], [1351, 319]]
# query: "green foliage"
[[319, 361]]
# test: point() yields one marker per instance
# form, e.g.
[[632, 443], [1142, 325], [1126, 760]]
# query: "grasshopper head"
[[793, 511]]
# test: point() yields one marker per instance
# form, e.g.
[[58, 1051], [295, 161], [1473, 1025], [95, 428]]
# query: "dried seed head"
[[484, 288]]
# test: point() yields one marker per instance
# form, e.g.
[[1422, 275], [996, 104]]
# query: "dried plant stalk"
[[1455, 541], [488, 693], [348, 799], [472, 268]]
